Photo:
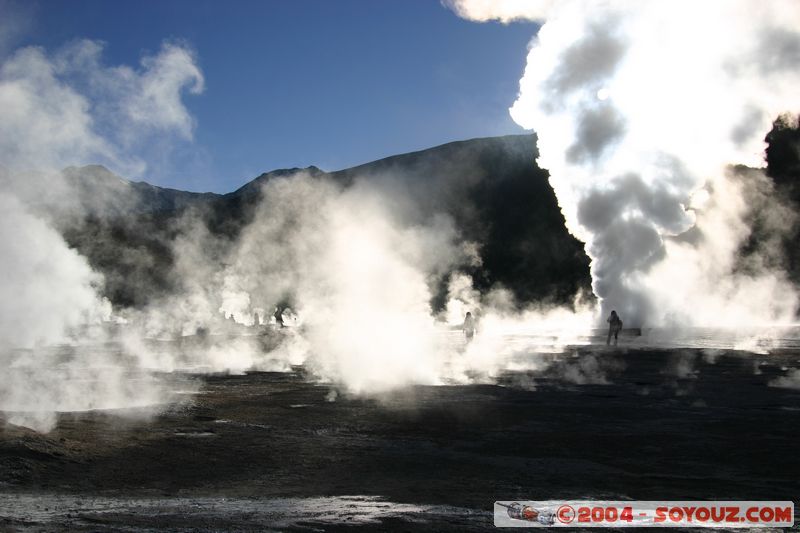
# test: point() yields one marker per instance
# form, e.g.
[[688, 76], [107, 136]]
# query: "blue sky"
[[331, 83]]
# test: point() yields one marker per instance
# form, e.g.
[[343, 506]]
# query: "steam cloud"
[[358, 275], [503, 10], [640, 109], [360, 271], [57, 109]]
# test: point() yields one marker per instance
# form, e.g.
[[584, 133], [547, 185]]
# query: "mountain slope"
[[490, 187], [103, 193]]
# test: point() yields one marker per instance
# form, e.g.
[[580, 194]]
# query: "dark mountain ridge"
[[491, 187], [102, 192]]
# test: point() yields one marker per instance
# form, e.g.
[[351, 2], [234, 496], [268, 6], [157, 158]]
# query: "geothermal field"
[[283, 451], [590, 294]]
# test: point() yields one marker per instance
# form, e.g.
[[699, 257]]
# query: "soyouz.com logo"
[[587, 513]]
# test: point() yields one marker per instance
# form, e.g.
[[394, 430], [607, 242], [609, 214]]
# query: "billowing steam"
[[502, 10], [640, 108], [357, 274], [47, 289], [55, 110], [360, 273]]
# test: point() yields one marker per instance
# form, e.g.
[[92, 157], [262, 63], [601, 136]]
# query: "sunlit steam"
[[359, 274], [352, 274], [58, 109], [502, 10], [639, 108]]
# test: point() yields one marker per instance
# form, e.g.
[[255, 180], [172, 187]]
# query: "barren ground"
[[270, 451]]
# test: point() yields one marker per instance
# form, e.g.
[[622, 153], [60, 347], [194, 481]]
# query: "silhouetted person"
[[614, 327], [256, 320], [469, 326], [278, 317]]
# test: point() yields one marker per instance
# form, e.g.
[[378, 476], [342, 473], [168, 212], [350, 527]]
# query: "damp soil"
[[277, 451]]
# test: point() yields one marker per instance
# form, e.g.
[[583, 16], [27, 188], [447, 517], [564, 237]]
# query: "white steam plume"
[[59, 109], [359, 267], [358, 277], [639, 108], [68, 108], [47, 288], [501, 10]]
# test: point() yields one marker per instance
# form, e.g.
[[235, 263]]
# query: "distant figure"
[[279, 317], [614, 327], [256, 320], [469, 326], [289, 317]]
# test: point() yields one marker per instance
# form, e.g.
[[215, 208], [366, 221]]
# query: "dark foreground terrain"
[[268, 451]]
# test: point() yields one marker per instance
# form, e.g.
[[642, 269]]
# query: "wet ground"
[[275, 451]]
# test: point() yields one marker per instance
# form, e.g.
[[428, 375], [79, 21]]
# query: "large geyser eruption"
[[641, 109]]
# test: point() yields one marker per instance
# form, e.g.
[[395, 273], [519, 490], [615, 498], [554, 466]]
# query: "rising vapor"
[[502, 10], [641, 108], [57, 109]]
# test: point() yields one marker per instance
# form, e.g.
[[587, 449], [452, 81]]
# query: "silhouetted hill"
[[253, 188], [491, 187], [101, 192], [500, 198], [783, 166]]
